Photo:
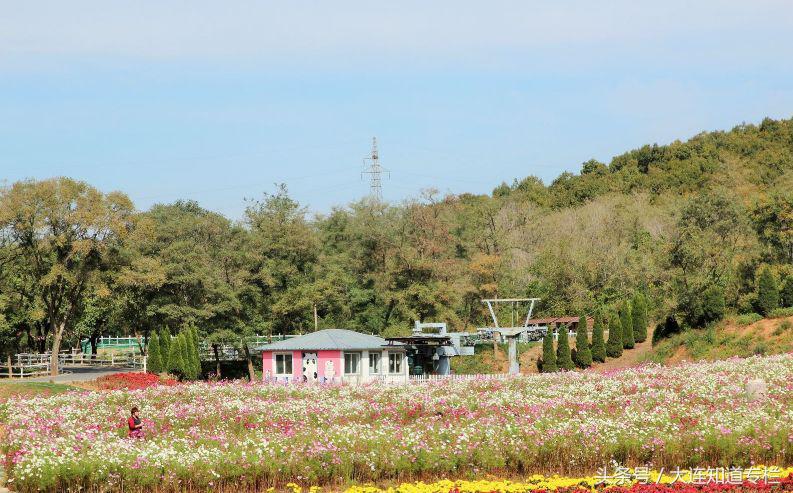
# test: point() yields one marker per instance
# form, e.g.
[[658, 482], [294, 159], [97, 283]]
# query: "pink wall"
[[330, 355], [297, 364], [267, 364]]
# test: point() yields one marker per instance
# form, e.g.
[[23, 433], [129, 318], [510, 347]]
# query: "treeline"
[[690, 225]]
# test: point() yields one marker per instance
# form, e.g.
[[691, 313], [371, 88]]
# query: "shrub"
[[165, 347], [614, 344], [747, 318], [666, 329], [767, 292], [639, 318], [196, 352], [185, 345], [176, 363], [781, 312], [153, 360], [626, 324], [782, 327], [712, 305], [548, 354], [787, 292], [563, 357], [598, 344], [583, 355]]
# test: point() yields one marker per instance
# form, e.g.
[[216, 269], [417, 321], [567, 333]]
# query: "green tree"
[[713, 305], [196, 352], [67, 232], [712, 241], [548, 354], [563, 357], [767, 292], [153, 360], [598, 344], [787, 292], [583, 353], [626, 325], [165, 348], [639, 316], [614, 345], [176, 361]]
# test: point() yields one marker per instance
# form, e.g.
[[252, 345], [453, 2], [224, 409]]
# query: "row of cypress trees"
[[178, 355], [627, 326]]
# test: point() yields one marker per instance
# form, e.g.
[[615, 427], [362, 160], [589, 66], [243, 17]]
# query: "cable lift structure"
[[513, 332]]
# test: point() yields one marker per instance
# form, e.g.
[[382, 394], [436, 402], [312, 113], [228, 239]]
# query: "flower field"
[[255, 436]]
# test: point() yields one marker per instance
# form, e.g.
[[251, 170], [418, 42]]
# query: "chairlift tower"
[[514, 331]]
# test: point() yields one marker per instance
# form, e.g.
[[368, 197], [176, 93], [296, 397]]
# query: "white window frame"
[[378, 357], [396, 358], [358, 363], [291, 364]]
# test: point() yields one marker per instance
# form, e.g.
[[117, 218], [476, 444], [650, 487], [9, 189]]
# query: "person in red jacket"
[[135, 424]]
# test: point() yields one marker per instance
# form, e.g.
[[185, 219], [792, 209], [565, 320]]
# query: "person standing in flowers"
[[135, 424]]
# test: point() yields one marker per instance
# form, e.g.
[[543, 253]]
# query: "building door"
[[310, 366]]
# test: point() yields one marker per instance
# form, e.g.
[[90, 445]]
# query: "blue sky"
[[217, 101]]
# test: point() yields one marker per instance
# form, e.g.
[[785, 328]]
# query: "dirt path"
[[630, 357]]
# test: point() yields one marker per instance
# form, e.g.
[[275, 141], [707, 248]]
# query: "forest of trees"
[[700, 228]]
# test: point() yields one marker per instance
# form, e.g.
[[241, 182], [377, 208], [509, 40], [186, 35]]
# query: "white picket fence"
[[390, 379], [26, 365], [458, 377]]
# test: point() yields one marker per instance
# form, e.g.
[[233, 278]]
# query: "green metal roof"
[[327, 339]]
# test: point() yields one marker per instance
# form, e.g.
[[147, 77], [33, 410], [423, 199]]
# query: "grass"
[[11, 388]]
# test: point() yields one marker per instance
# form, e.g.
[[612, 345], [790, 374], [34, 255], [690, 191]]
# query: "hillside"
[[693, 226], [729, 338]]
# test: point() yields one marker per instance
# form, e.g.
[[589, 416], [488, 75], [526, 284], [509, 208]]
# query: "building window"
[[374, 362], [352, 363], [394, 362], [283, 364]]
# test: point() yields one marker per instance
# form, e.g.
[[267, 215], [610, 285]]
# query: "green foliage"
[[748, 318], [153, 360], [196, 352], [598, 344], [185, 347], [614, 345], [548, 354], [713, 305], [639, 316], [786, 294], [626, 326], [767, 292], [188, 353], [669, 328], [781, 312], [564, 359], [686, 224], [713, 238], [165, 348], [583, 353], [176, 358]]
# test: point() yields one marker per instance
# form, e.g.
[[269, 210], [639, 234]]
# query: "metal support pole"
[[514, 366]]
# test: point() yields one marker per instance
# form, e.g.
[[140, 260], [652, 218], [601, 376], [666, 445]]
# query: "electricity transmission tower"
[[374, 170]]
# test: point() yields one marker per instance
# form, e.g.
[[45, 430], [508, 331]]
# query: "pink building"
[[334, 355]]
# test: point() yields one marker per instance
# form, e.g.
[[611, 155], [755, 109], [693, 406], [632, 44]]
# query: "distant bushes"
[[748, 318], [781, 312]]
